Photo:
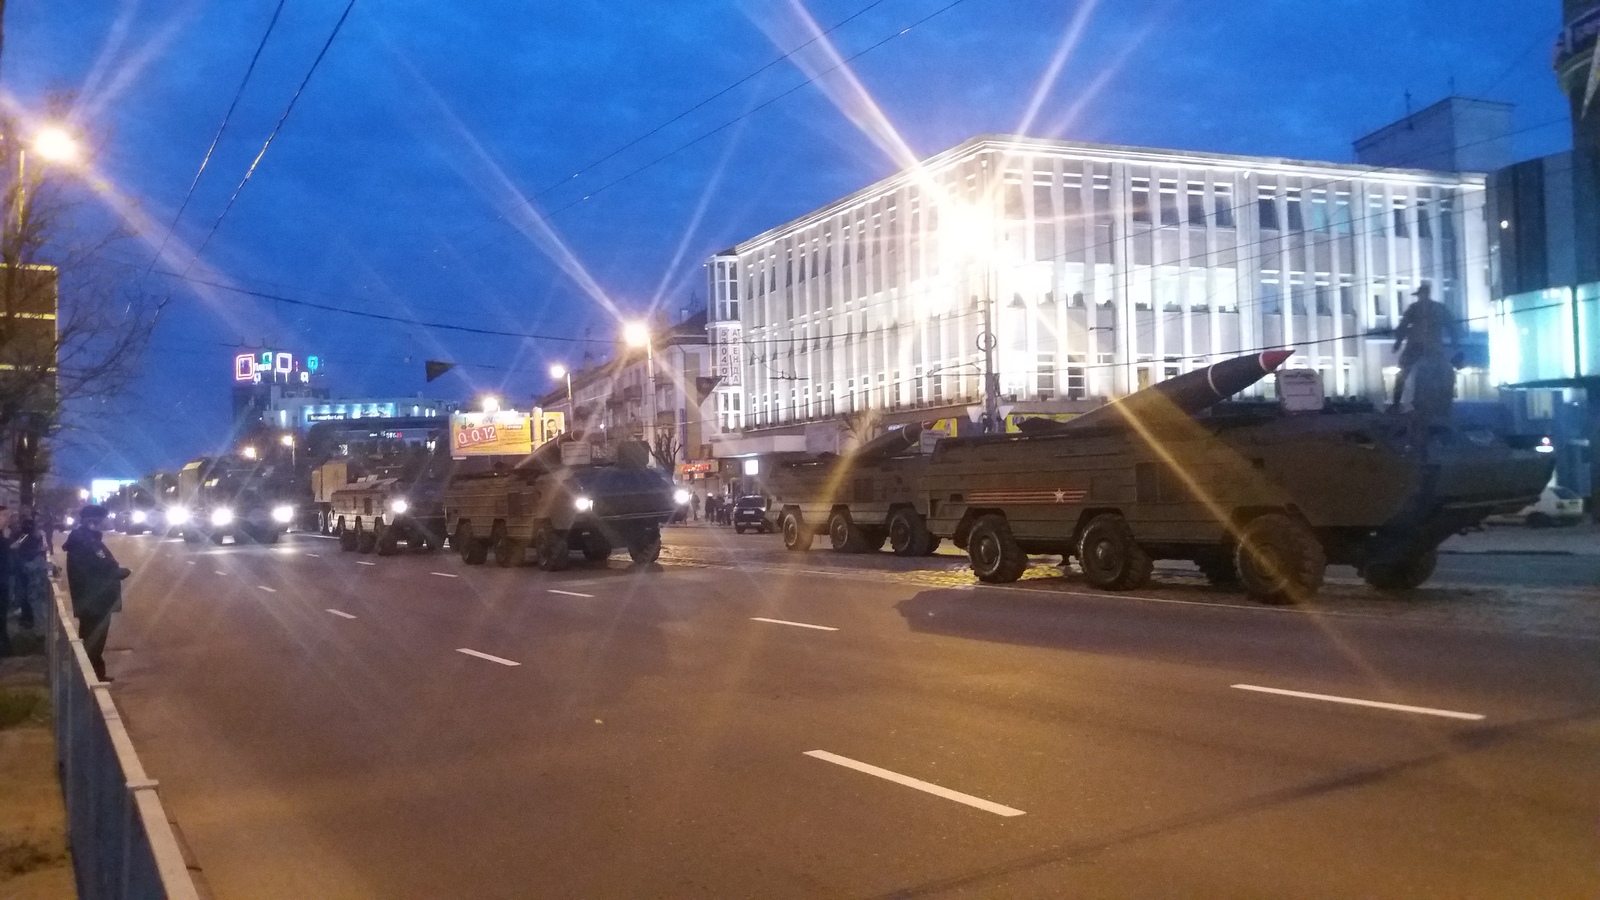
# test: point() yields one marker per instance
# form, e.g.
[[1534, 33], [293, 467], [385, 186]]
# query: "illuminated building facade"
[[1095, 270]]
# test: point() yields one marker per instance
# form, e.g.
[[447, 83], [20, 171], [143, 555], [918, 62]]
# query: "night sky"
[[426, 121]]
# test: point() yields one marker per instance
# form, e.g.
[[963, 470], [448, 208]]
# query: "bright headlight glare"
[[583, 504], [398, 505], [139, 516], [177, 515], [681, 496], [282, 514], [220, 517]]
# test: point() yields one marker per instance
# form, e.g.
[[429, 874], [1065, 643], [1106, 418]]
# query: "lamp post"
[[288, 441], [558, 372], [637, 334]]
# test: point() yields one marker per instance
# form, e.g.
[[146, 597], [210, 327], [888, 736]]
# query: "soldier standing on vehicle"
[[1424, 328]]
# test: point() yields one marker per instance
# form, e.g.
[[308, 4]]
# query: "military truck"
[[858, 500], [401, 501], [557, 501], [1260, 497], [228, 496]]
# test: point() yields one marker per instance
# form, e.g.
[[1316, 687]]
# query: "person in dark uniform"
[[1424, 328], [94, 577]]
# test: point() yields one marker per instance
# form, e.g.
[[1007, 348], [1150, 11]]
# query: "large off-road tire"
[[645, 547], [347, 539], [268, 537], [555, 553], [738, 529], [596, 548], [1540, 520], [995, 556], [908, 534], [510, 553], [473, 551], [1280, 559], [190, 537], [846, 536], [1110, 557], [1404, 575], [366, 539], [796, 534], [933, 544], [1219, 568], [388, 543]]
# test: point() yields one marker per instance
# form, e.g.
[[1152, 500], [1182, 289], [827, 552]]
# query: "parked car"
[[1556, 506], [750, 514]]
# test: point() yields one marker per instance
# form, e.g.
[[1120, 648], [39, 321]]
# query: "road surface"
[[740, 721]]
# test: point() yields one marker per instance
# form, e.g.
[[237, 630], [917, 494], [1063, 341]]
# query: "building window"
[[1222, 203], [1077, 377], [1044, 221], [1141, 200], [1424, 226], [1045, 370], [1400, 229], [1319, 210], [1375, 215], [1197, 203], [1267, 209], [1271, 293], [1173, 368], [1341, 212], [1169, 203], [1297, 221], [1347, 295]]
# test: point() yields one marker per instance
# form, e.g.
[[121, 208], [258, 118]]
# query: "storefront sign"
[[730, 360]]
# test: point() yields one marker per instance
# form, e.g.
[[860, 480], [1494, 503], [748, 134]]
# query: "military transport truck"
[[225, 496], [402, 501], [858, 500], [550, 504], [1262, 497]]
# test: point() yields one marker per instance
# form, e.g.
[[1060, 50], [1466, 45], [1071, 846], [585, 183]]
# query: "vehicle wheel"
[[190, 537], [872, 537], [1404, 575], [388, 541], [1539, 520], [845, 535], [596, 548], [933, 544], [510, 553], [268, 537], [645, 548], [995, 556], [1280, 559], [1111, 559], [347, 539], [796, 536], [555, 553], [473, 551], [738, 529], [1218, 567], [908, 534], [366, 540]]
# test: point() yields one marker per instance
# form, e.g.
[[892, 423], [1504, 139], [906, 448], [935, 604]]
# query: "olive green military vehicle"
[[858, 500], [402, 502], [1262, 498], [540, 510]]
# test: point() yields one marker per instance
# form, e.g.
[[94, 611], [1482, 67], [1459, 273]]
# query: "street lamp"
[[490, 403], [637, 334], [248, 452], [52, 144], [288, 441], [558, 372]]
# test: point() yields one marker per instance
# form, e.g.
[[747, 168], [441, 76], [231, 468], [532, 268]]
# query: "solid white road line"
[[795, 624], [220, 572], [191, 562], [1376, 704], [341, 614], [569, 593], [267, 589], [444, 575], [362, 562], [919, 784], [318, 555], [503, 662]]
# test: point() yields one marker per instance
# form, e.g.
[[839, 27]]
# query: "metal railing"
[[122, 844]]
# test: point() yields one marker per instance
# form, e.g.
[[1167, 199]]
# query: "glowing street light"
[[558, 372], [248, 452], [490, 403], [55, 144], [637, 334], [287, 440]]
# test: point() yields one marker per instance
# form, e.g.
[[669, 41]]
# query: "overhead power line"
[[206, 160], [275, 129]]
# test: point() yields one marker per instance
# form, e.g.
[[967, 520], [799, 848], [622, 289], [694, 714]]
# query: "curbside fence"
[[122, 844]]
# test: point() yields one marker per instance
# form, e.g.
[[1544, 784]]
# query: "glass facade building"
[[1094, 270]]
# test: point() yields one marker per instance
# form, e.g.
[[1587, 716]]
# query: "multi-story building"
[[1092, 271]]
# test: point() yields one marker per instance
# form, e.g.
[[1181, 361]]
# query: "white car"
[[1556, 506]]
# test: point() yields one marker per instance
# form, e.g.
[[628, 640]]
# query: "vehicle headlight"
[[583, 504], [283, 515], [176, 515], [398, 506], [69, 521], [222, 516], [681, 496], [139, 516]]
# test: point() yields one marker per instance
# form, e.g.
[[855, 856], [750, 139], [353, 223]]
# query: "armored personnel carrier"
[[542, 509], [858, 500], [402, 501]]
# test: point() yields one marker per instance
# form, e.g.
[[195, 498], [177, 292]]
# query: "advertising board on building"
[[729, 360], [504, 433]]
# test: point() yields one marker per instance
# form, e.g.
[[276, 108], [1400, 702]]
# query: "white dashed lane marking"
[[569, 593], [795, 624], [362, 562], [341, 614], [444, 575], [917, 783], [493, 659], [1352, 701], [267, 589]]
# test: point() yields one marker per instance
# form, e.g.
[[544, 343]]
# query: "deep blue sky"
[[427, 119]]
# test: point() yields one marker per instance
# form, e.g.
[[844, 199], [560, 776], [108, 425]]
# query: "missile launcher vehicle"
[[858, 500], [402, 501], [542, 508]]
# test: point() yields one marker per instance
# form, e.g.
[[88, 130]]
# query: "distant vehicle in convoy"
[[401, 501], [133, 509], [224, 496], [541, 509], [1556, 506], [1256, 496], [750, 514]]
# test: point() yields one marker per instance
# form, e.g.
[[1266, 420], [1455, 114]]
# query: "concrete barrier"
[[122, 844]]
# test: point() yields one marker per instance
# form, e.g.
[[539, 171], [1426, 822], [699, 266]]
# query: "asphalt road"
[[741, 722]]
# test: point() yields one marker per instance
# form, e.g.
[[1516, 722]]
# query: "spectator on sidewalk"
[[31, 567], [694, 506], [94, 578]]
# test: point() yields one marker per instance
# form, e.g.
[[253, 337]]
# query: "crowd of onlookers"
[[94, 577], [718, 510], [26, 543]]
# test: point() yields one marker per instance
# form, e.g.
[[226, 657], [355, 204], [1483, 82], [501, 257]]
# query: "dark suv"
[[751, 513]]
